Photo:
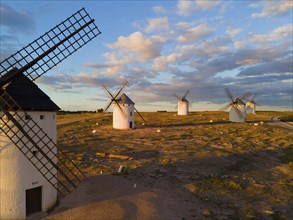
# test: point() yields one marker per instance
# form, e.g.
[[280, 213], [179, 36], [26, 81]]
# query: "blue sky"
[[162, 48]]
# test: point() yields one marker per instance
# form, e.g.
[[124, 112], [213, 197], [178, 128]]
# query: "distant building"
[[123, 120]]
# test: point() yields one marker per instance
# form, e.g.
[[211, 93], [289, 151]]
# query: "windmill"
[[123, 108], [236, 107], [183, 104], [34, 170], [250, 105]]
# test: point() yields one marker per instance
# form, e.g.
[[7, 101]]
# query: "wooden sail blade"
[[239, 113], [226, 107], [245, 95], [120, 108], [177, 96], [27, 135], [53, 47], [140, 116], [186, 93], [119, 92], [108, 105], [229, 94]]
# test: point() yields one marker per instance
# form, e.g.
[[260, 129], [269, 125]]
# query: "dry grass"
[[236, 171]]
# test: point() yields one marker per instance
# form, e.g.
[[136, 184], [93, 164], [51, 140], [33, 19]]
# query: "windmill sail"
[[52, 47], [115, 97], [27, 136], [236, 105], [33, 61]]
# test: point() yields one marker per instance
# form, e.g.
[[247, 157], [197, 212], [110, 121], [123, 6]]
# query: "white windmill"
[[123, 109], [237, 111], [250, 106], [183, 104], [34, 170]]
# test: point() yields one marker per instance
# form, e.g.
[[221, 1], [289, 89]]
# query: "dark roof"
[[124, 99], [29, 96]]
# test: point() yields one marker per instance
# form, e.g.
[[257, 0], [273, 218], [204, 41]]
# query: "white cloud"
[[183, 25], [157, 24], [143, 47], [274, 8], [239, 44], [205, 5], [278, 34], [233, 32], [196, 33], [162, 63], [186, 8], [160, 10]]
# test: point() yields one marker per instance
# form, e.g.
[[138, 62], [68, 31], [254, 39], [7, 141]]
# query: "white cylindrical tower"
[[24, 191], [183, 107], [123, 118], [234, 116], [250, 107]]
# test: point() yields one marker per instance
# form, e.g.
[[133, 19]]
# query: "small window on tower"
[[130, 113], [27, 117], [42, 117]]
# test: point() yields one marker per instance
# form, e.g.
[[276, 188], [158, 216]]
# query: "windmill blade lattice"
[[53, 47], [229, 94], [245, 95], [140, 116], [114, 98], [186, 93], [119, 91], [33, 61], [177, 96], [28, 137], [239, 113]]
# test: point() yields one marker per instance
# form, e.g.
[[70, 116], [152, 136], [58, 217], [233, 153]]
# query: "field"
[[217, 169]]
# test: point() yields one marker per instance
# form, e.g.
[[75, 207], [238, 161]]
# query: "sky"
[[164, 48]]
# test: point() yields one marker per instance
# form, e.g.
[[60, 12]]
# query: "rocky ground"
[[194, 167]]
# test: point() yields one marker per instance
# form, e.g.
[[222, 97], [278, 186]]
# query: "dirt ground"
[[199, 167]]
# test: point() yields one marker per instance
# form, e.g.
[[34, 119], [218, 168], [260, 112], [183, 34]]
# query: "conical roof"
[[238, 101], [29, 96], [124, 99]]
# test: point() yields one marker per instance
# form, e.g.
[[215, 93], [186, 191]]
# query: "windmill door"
[[33, 200], [130, 124]]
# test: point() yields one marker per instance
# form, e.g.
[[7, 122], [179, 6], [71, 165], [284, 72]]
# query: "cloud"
[[144, 47], [162, 63], [193, 56], [160, 10], [195, 33], [207, 5], [157, 24], [186, 8], [261, 54], [233, 32], [238, 44], [16, 21], [279, 67], [278, 34], [274, 8]]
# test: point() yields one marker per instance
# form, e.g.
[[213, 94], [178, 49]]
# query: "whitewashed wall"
[[234, 117], [17, 174], [250, 108], [183, 108], [121, 122]]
